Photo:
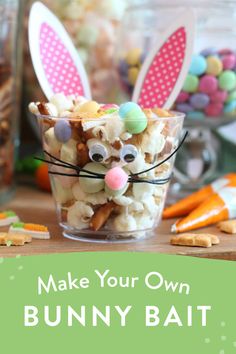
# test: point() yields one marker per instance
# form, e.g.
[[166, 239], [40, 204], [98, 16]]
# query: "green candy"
[[231, 97], [92, 185], [135, 121], [191, 83], [227, 80]]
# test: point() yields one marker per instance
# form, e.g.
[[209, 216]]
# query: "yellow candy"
[[91, 107], [132, 75], [214, 66], [133, 56]]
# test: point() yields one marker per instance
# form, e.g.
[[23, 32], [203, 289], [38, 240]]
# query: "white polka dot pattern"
[[58, 64], [164, 71]]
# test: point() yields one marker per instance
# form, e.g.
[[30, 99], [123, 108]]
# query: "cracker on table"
[[228, 226], [14, 239], [195, 240]]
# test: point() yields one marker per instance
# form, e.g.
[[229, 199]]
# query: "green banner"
[[117, 303]]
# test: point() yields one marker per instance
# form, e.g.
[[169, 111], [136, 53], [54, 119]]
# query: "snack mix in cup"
[[103, 161]]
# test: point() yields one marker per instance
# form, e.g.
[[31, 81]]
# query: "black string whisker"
[[54, 163], [151, 181], [73, 175], [74, 166], [68, 165], [163, 161]]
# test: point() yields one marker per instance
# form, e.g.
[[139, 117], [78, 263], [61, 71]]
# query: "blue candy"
[[199, 100], [196, 115], [184, 107], [230, 107], [209, 51], [127, 107], [62, 130], [198, 65]]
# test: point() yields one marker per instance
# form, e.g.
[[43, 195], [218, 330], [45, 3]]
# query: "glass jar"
[[10, 79], [105, 176], [208, 96]]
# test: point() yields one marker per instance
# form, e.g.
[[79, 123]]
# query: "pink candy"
[[109, 106], [218, 96], [116, 178], [229, 61], [183, 97], [208, 84], [214, 109]]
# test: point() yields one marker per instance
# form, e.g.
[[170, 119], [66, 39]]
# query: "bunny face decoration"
[[109, 165]]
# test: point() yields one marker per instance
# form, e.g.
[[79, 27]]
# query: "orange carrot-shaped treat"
[[219, 207], [186, 205]]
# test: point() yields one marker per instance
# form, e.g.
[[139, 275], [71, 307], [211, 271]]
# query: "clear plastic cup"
[[105, 180]]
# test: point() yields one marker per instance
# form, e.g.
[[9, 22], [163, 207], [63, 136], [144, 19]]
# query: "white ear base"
[[159, 83]]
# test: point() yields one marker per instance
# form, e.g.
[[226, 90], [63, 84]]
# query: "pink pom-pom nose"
[[116, 178]]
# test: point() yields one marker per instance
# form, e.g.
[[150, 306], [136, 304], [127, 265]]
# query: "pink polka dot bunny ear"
[[56, 61], [165, 68]]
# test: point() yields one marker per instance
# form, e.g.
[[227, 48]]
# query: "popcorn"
[[52, 109], [79, 215], [125, 222], [61, 194], [33, 108], [144, 192], [69, 151], [123, 200], [114, 128], [77, 192], [144, 221], [53, 145], [61, 102]]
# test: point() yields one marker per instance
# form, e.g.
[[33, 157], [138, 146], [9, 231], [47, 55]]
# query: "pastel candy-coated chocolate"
[[208, 84], [123, 67], [191, 83], [199, 100], [183, 97], [198, 65], [227, 80], [230, 107], [229, 61], [196, 115], [231, 97], [132, 75], [225, 51], [126, 108], [214, 66], [92, 185], [89, 107], [135, 121], [133, 57], [208, 51], [116, 178], [214, 109], [218, 96], [62, 130], [184, 107]]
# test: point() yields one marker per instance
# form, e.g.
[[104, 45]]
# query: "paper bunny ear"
[[165, 68], [56, 61]]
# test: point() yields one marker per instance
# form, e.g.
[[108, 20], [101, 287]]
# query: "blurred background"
[[113, 38]]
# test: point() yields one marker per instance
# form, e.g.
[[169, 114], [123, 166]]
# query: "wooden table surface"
[[38, 207]]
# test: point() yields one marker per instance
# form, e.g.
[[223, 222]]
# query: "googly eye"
[[128, 153], [98, 153]]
